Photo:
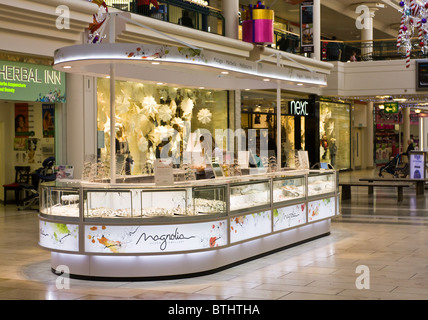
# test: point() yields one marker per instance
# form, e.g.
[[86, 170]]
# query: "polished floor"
[[387, 240]]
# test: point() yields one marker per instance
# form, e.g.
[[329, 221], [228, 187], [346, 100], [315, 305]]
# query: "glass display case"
[[101, 220], [249, 194], [62, 201], [320, 183], [288, 188]]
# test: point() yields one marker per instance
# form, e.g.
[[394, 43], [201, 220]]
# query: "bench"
[[346, 187], [420, 183]]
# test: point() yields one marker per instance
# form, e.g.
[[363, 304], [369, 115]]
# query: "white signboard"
[[288, 217], [163, 172], [417, 165], [154, 239]]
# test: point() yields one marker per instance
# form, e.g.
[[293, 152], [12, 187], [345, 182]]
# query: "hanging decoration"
[[414, 15], [204, 116], [257, 26], [95, 35]]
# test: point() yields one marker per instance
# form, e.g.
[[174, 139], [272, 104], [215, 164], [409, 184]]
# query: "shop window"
[[154, 121], [335, 134]]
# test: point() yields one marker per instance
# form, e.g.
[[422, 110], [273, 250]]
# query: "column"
[[230, 11], [81, 123], [317, 29], [370, 136], [365, 23], [406, 127]]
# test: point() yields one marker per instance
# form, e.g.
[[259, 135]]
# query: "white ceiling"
[[338, 17]]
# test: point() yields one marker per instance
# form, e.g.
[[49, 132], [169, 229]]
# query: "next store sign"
[[31, 82], [299, 107]]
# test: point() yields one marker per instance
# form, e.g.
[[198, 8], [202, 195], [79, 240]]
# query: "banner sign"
[[31, 82], [307, 26]]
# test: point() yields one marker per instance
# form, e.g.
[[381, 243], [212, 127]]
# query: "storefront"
[[31, 96], [335, 133], [298, 124], [388, 130]]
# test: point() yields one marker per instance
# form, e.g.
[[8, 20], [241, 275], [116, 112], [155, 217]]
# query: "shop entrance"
[[292, 133]]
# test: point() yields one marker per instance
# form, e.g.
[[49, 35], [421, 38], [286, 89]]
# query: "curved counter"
[[97, 230]]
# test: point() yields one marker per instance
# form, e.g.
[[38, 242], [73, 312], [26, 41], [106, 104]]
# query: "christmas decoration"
[[414, 16]]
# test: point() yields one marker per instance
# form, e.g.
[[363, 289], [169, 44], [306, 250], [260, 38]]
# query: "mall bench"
[[420, 183], [346, 187]]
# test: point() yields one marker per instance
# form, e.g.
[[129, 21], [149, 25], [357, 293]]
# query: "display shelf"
[[321, 183], [212, 217]]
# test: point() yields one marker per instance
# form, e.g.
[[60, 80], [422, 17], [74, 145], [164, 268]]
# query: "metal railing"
[[203, 18], [384, 49]]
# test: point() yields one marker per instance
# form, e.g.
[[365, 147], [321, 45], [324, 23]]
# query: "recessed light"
[[266, 80], [107, 77], [155, 62], [67, 67], [225, 72], [160, 83], [300, 84], [201, 87], [247, 89]]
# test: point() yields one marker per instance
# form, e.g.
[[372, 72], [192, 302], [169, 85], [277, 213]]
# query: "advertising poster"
[[417, 165], [21, 120], [306, 26], [48, 113]]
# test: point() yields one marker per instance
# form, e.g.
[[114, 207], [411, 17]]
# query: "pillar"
[[230, 11], [366, 13], [370, 136], [81, 125], [406, 127]]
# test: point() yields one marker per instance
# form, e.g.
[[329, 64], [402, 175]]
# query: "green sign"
[[391, 107], [31, 82]]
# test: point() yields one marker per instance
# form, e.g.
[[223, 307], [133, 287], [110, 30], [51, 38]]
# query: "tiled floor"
[[391, 244]]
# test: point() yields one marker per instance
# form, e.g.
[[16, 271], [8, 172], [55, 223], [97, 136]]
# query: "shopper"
[[333, 151], [405, 157], [353, 57], [185, 20], [143, 6]]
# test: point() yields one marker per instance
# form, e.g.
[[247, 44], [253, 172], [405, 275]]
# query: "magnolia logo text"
[[164, 238]]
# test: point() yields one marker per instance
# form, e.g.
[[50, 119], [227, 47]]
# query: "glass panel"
[[211, 200], [288, 189], [335, 135], [154, 121], [165, 203], [320, 184], [245, 196], [60, 202], [108, 204]]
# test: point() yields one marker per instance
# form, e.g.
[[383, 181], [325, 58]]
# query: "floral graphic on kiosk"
[[59, 236]]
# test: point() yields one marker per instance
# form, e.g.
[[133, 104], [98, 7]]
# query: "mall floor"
[[390, 239]]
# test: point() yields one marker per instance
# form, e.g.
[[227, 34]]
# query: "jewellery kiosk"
[[140, 230]]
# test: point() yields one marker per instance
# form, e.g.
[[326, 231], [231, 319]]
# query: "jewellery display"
[[193, 199]]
